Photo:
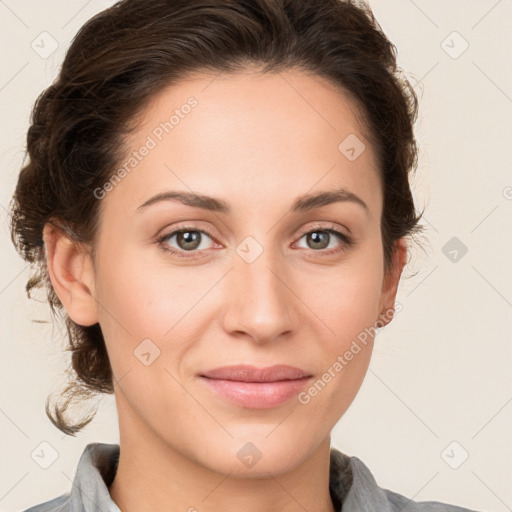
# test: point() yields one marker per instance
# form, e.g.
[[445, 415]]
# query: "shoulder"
[[355, 489], [95, 471], [403, 504], [59, 504], [367, 488]]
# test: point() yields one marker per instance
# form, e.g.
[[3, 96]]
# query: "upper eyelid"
[[319, 226], [174, 231]]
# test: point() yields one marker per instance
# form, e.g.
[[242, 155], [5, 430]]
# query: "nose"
[[260, 301]]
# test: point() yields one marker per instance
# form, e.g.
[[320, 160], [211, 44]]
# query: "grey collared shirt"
[[352, 486]]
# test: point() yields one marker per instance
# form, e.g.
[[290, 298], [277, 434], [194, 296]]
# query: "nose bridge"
[[260, 304]]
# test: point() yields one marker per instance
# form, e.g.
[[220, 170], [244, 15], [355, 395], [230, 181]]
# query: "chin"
[[255, 455]]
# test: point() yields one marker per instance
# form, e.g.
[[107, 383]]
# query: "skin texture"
[[257, 142]]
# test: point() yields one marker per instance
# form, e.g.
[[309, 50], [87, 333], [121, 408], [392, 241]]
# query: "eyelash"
[[347, 242]]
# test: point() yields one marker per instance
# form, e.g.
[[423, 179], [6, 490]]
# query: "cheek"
[[348, 303], [348, 298], [129, 311], [142, 298], [349, 309], [150, 301]]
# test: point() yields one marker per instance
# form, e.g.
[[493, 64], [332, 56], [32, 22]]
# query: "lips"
[[255, 388], [247, 373]]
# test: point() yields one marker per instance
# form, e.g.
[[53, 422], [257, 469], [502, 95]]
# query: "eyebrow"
[[302, 203]]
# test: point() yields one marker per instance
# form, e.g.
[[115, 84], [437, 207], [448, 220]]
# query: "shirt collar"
[[95, 472], [350, 482]]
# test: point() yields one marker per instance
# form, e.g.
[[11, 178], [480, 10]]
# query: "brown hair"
[[126, 54]]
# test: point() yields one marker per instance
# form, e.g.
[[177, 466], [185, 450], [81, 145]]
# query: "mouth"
[[256, 388]]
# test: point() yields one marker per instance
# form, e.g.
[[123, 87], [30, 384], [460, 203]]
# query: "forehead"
[[249, 133]]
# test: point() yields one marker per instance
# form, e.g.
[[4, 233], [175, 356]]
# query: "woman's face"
[[244, 284]]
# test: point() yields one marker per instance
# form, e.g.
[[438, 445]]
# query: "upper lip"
[[248, 373]]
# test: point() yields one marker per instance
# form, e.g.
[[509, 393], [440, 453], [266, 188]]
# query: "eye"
[[187, 239], [191, 241], [326, 240]]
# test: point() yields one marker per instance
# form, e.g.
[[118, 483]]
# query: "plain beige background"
[[439, 387]]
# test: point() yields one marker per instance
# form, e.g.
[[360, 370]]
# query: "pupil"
[[188, 240], [319, 237]]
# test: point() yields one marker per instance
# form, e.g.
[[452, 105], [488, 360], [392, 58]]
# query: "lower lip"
[[257, 395]]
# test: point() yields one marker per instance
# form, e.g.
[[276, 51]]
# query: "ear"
[[390, 283], [72, 275]]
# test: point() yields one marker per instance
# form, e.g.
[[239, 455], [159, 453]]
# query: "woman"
[[218, 200]]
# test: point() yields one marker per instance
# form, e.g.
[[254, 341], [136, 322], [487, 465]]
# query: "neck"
[[154, 476]]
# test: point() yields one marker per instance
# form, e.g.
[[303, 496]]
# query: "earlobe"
[[71, 274], [390, 284]]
